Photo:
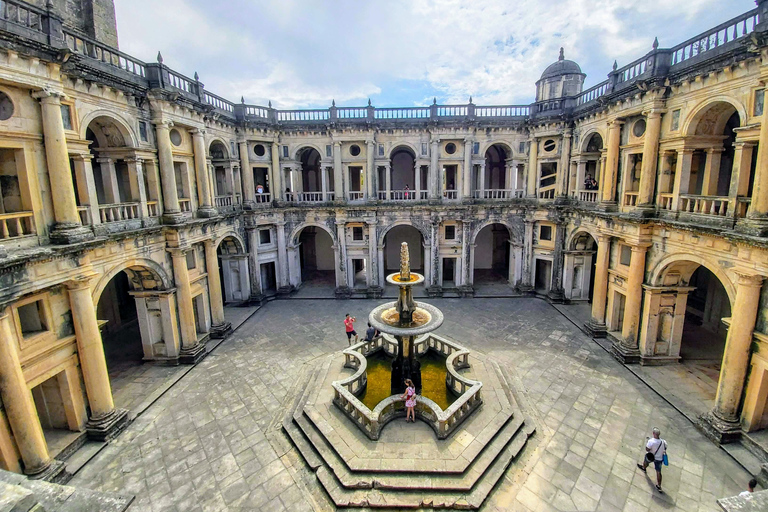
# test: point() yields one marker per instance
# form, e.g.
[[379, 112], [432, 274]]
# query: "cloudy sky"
[[303, 53]]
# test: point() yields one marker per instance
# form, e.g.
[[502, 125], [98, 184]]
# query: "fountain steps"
[[390, 483]]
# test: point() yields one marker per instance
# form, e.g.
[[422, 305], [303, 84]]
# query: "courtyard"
[[213, 440]]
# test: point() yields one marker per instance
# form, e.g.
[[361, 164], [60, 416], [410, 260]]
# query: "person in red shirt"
[[349, 324]]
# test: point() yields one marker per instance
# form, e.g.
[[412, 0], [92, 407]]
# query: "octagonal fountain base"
[[409, 466]]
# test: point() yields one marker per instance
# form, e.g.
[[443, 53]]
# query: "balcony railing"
[[118, 212], [588, 196], [17, 224], [263, 198], [153, 208], [401, 195], [85, 215], [666, 201], [729, 31], [185, 204], [704, 205], [102, 53], [223, 201], [498, 193], [356, 195], [451, 194], [22, 14], [630, 198], [742, 206], [547, 192], [309, 197]]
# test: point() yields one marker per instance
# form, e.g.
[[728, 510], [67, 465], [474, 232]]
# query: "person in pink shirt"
[[349, 325]]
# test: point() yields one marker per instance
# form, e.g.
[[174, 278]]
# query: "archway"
[[495, 176], [317, 260], [579, 264], [311, 179], [402, 182], [589, 169], [226, 176], [233, 271], [393, 240], [491, 260], [704, 333]]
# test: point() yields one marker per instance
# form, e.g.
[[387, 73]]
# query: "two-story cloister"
[[135, 205]]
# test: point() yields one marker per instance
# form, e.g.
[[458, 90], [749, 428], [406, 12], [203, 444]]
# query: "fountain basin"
[[426, 318], [413, 280]]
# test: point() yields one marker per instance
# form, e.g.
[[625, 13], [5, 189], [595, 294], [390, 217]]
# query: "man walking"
[[655, 449], [371, 333], [349, 325]]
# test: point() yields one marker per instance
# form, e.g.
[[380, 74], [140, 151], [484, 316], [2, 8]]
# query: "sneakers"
[[658, 488], [641, 467]]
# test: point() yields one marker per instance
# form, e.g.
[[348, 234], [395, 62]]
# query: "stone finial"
[[434, 100], [197, 77], [405, 263], [470, 99], [159, 58], [369, 102], [269, 104], [242, 100], [655, 42], [333, 103], [615, 65], [562, 54]]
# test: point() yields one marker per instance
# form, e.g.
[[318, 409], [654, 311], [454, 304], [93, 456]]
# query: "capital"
[[178, 252], [81, 282], [162, 124], [48, 96], [198, 132], [749, 280]]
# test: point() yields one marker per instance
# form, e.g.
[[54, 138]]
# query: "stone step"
[[413, 480], [299, 390], [744, 457], [85, 453]]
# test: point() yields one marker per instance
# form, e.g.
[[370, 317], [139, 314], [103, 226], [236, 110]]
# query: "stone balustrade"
[[17, 224]]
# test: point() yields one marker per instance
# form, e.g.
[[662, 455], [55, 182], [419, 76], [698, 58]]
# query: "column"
[[138, 192], [466, 180], [388, 179], [596, 326], [608, 185], [105, 420], [724, 418], [338, 182], [171, 211], [153, 193], [581, 175], [711, 172], [533, 169], [682, 176], [68, 227], [276, 180], [373, 257], [109, 180], [632, 305], [742, 161], [19, 405], [86, 186], [191, 350], [526, 284], [556, 289], [342, 280], [370, 170], [481, 171], [220, 327], [434, 170], [249, 187], [282, 258], [467, 259], [417, 187], [758, 209], [650, 158], [564, 168], [253, 262]]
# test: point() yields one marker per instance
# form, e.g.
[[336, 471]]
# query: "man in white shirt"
[[751, 488], [655, 449]]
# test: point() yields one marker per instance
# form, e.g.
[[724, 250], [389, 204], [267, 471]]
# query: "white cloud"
[[305, 53]]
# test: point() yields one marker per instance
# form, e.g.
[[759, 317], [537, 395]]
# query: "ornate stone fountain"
[[405, 319]]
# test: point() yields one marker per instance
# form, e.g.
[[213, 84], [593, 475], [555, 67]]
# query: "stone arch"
[[506, 145], [122, 125], [712, 115], [383, 233], [218, 141], [489, 222], [296, 233], [585, 141], [297, 154], [403, 145], [570, 244], [144, 274], [238, 243], [686, 264]]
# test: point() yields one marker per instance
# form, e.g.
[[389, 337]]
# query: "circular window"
[[6, 107], [176, 137], [638, 130], [549, 145], [450, 148], [259, 150], [354, 150]]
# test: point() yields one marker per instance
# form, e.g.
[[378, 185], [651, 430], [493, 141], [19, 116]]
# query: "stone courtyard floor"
[[211, 443]]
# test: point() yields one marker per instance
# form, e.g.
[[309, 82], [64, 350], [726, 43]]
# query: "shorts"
[[657, 464], [350, 334]]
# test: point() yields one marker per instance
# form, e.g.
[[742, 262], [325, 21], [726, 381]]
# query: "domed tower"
[[563, 78]]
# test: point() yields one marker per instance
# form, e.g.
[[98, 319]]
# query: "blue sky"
[[304, 53]]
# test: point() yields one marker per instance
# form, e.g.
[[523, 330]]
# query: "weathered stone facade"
[[114, 167]]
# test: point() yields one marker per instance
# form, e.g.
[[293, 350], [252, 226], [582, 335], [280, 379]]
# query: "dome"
[[561, 67]]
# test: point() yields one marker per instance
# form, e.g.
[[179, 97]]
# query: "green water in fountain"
[[433, 386]]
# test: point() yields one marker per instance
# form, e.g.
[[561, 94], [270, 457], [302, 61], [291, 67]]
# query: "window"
[[285, 151], [450, 148], [549, 145], [675, 123], [423, 148], [143, 131], [759, 102], [545, 232], [381, 149], [638, 129], [32, 318], [6, 107], [259, 150], [191, 263], [265, 237], [175, 137], [625, 257], [232, 147], [66, 116], [328, 150], [475, 148], [521, 149], [354, 150], [357, 233], [450, 232]]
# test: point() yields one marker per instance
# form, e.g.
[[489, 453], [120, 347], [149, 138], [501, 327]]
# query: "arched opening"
[[226, 176], [311, 181], [317, 260], [233, 271], [392, 242], [401, 180], [704, 333], [580, 261], [589, 169], [492, 255], [496, 175]]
